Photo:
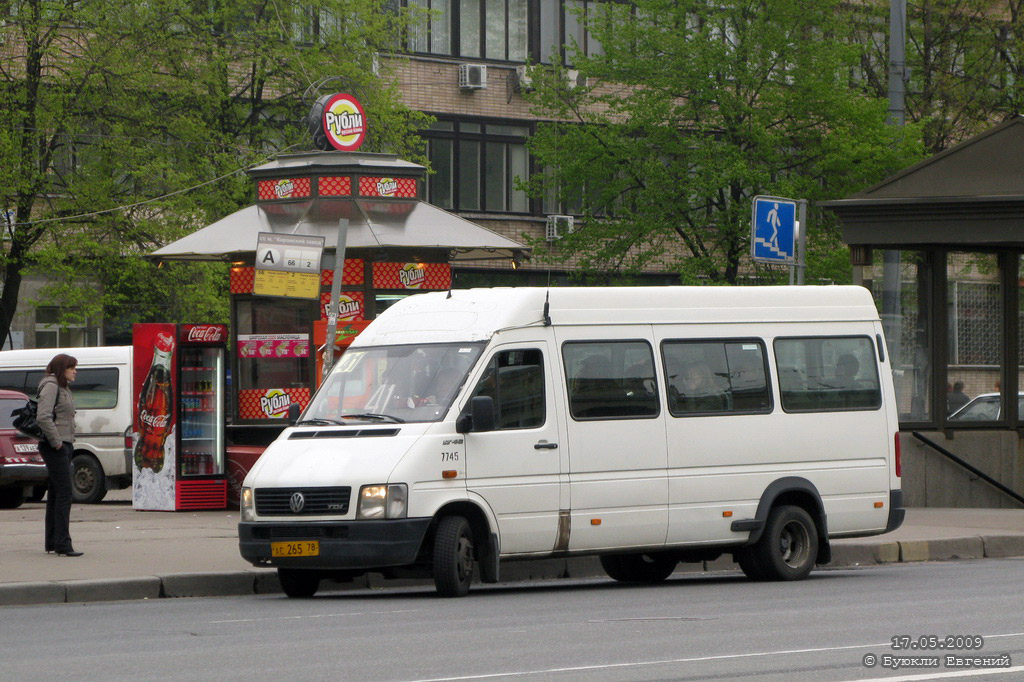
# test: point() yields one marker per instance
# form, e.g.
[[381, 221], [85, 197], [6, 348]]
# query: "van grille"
[[278, 501], [269, 532]]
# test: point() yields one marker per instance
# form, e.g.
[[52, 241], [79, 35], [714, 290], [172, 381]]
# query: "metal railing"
[[971, 468]]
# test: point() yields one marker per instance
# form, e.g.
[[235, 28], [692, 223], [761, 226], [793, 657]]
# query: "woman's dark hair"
[[58, 365]]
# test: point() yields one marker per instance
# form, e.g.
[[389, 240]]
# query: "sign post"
[[332, 314]]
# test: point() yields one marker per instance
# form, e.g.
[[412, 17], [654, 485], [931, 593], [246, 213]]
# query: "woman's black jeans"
[[58, 496]]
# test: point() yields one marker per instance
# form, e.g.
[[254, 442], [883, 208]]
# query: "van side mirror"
[[294, 410], [480, 416]]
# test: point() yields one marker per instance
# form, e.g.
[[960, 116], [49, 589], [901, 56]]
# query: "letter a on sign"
[[268, 257]]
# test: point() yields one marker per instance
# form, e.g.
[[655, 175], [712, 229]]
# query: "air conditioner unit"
[[558, 226], [523, 81], [472, 76]]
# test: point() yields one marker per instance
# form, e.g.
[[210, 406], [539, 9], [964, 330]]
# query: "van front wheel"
[[453, 557], [638, 568], [298, 583], [788, 548], [87, 483]]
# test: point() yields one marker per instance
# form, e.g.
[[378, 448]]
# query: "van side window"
[[716, 376], [827, 374], [93, 388], [515, 380], [610, 379], [14, 380]]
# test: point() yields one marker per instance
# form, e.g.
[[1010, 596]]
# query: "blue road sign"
[[773, 230]]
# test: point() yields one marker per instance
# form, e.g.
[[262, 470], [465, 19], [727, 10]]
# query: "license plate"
[[290, 549]]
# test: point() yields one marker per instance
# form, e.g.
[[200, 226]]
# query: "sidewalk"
[[149, 555]]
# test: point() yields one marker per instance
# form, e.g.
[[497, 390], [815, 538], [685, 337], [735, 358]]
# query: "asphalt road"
[[690, 628]]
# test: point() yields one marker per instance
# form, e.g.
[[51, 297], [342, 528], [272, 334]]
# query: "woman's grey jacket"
[[58, 424]]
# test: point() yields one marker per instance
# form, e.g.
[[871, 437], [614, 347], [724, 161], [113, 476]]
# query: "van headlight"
[[246, 505], [383, 501]]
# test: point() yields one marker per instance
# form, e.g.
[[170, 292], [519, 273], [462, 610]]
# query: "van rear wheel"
[[87, 483], [453, 557], [298, 583], [638, 568], [788, 548]]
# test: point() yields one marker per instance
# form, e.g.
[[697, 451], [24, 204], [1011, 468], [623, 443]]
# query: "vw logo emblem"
[[297, 502]]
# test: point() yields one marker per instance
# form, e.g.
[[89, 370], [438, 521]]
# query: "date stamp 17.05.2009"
[[967, 646]]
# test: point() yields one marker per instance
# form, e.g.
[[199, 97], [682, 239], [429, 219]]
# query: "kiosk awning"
[[373, 224]]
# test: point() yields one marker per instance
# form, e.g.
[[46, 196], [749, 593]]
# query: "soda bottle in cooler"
[[155, 405]]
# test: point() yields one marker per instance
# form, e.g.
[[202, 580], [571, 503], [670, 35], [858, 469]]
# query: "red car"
[[22, 471]]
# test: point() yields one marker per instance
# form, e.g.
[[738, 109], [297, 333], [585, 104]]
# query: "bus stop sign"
[[773, 230]]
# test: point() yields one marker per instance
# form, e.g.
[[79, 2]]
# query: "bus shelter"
[[940, 245]]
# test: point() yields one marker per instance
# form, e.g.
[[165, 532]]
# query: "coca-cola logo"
[[205, 333], [156, 421]]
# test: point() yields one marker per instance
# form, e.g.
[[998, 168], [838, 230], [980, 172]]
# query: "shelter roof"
[[971, 194], [308, 193]]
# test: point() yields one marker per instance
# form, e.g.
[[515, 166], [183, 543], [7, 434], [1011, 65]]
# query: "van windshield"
[[408, 383]]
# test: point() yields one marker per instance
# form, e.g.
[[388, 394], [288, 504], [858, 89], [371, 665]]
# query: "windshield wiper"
[[320, 421], [374, 415]]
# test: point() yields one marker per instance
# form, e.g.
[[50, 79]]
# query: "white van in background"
[[647, 425], [103, 404]]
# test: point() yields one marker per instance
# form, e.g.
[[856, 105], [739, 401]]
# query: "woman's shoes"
[[70, 552]]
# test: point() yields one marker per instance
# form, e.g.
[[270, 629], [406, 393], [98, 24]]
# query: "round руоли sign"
[[344, 122]]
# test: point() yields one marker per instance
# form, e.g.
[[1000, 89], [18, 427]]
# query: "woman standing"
[[56, 417]]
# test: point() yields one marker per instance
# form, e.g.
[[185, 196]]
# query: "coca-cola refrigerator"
[[179, 415]]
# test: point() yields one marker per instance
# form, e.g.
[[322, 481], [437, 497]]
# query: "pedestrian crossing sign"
[[773, 230]]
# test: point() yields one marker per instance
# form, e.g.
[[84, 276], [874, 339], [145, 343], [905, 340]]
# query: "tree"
[[114, 109], [962, 61], [690, 109]]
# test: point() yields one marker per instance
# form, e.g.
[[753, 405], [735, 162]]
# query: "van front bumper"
[[342, 545]]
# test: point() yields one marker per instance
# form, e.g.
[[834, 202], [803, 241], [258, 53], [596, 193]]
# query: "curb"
[[845, 553]]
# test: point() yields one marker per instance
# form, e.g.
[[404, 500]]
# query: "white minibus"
[[103, 417], [648, 426]]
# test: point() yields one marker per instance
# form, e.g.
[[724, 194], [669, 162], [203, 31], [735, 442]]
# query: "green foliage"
[[964, 59], [120, 104], [691, 110]]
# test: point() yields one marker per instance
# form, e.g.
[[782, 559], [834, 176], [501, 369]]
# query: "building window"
[[51, 332], [431, 31], [509, 30], [476, 166], [563, 24], [493, 29]]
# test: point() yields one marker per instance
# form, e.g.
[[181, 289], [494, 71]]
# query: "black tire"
[[453, 557], [788, 548], [38, 492], [87, 483], [298, 583], [639, 568], [747, 560], [11, 497]]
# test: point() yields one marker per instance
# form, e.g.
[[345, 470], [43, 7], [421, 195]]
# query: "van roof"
[[476, 314], [40, 357]]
